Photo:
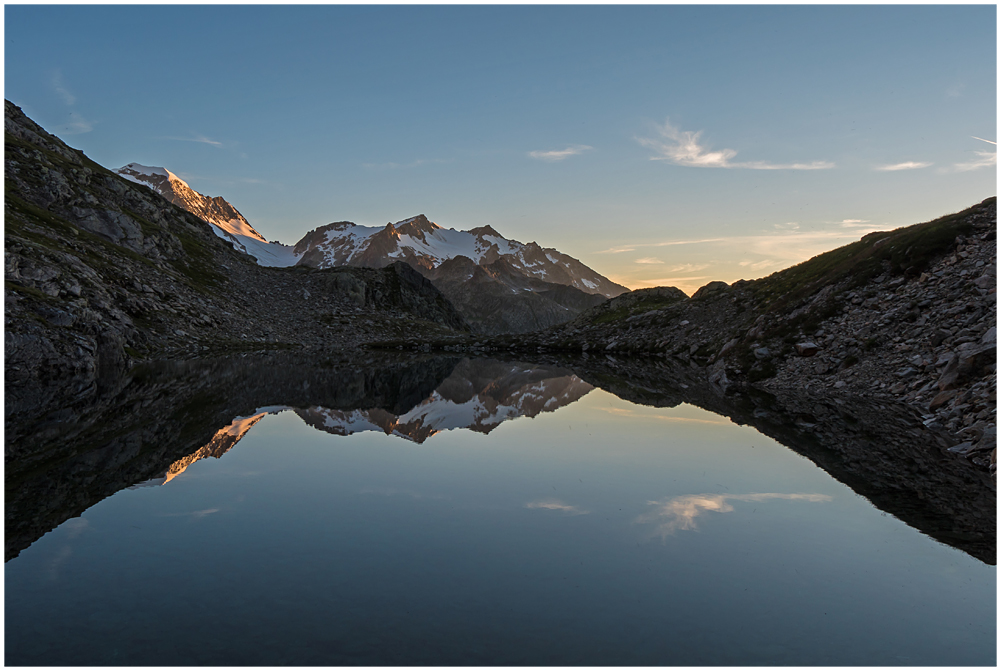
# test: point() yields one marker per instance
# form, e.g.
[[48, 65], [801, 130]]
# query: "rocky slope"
[[908, 314], [100, 271]]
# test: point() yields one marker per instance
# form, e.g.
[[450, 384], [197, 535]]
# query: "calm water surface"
[[601, 533]]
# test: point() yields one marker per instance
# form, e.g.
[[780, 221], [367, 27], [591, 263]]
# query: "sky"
[[660, 145]]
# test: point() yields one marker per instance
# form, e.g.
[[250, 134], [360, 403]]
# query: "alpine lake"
[[391, 510]]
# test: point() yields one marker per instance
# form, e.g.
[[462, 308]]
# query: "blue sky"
[[658, 144]]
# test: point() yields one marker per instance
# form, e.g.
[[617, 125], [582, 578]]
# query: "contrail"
[[982, 140]]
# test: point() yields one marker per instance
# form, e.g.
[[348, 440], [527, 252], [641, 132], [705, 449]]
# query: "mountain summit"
[[226, 220], [426, 246]]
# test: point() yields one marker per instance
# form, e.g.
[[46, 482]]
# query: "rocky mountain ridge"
[[521, 287]]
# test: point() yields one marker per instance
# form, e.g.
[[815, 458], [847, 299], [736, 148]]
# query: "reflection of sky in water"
[[530, 545]]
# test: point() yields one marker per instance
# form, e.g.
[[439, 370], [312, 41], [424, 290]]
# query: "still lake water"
[[602, 532]]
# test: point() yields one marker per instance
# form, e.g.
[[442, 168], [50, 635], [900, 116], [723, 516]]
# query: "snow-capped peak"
[[225, 220]]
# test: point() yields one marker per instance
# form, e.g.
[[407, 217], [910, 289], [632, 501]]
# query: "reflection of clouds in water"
[[74, 527], [200, 514], [416, 495], [556, 505], [626, 412], [673, 514]]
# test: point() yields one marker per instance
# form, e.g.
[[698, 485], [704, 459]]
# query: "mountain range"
[[498, 285]]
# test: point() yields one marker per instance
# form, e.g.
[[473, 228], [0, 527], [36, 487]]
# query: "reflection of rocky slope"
[[479, 395], [73, 451]]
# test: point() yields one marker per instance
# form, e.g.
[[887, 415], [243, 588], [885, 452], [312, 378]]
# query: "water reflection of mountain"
[[66, 454], [479, 395], [150, 427]]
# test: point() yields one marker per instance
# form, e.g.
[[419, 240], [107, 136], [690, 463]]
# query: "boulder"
[[806, 348]]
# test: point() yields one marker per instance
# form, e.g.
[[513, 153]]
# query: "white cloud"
[[649, 261], [908, 165], [560, 154], [556, 505], [791, 225], [851, 222], [683, 148]]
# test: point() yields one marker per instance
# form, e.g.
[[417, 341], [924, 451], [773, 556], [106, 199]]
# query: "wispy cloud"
[[633, 247], [556, 505], [60, 88], [195, 138], [688, 267], [399, 166], [199, 514], [985, 159], [649, 261], [560, 154], [908, 165], [680, 513], [789, 225], [853, 222], [684, 148], [760, 265], [77, 124]]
